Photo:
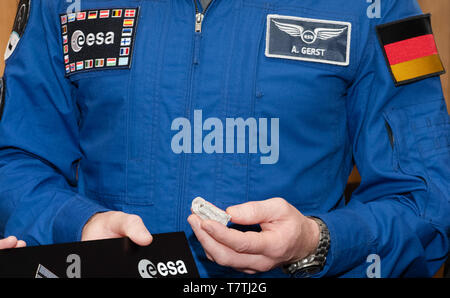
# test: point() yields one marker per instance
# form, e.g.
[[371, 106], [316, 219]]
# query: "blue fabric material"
[[100, 140]]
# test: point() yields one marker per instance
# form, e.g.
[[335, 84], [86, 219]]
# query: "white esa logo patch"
[[79, 39]]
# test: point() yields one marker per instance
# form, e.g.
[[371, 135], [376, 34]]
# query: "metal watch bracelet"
[[315, 262]]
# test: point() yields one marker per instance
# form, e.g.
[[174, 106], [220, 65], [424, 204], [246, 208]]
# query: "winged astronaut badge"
[[308, 39], [309, 36]]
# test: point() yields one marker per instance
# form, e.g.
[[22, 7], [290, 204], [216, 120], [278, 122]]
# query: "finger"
[[21, 243], [132, 226], [247, 271], [258, 212], [225, 256], [216, 252], [208, 256], [241, 242], [9, 242], [194, 221]]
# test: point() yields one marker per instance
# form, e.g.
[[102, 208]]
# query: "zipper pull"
[[198, 22]]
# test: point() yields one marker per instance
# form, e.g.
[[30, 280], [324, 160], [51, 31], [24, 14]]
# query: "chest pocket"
[[286, 73], [110, 55], [97, 45]]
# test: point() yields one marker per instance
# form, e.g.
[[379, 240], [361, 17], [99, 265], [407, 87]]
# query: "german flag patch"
[[410, 49]]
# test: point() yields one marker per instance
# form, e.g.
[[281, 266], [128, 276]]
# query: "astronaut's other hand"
[[11, 242], [116, 224]]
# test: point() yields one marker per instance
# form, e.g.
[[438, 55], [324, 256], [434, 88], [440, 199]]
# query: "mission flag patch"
[[98, 39], [410, 49]]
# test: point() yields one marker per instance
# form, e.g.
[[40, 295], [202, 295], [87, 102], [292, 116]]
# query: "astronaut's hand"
[[11, 242], [116, 224], [286, 236]]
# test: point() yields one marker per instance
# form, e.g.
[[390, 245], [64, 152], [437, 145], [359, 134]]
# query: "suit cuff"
[[350, 241], [72, 217]]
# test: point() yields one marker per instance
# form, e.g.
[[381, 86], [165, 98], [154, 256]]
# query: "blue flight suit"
[[73, 144]]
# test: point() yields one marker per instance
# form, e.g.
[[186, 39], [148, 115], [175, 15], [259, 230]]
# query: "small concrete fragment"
[[206, 210]]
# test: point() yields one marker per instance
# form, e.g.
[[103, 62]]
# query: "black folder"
[[168, 256]]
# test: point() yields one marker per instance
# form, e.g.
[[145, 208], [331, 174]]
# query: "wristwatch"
[[315, 262]]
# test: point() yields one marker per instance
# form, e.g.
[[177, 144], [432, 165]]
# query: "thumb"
[[9, 242], [132, 226], [257, 212]]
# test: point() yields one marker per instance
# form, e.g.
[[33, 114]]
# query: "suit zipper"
[[199, 18], [199, 21]]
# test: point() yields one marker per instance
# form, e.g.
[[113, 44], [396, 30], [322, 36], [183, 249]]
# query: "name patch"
[[306, 39], [98, 39]]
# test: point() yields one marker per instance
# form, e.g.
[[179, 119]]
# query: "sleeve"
[[401, 146], [39, 147]]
